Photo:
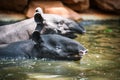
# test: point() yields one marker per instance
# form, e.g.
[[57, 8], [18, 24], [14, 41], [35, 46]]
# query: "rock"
[[63, 11], [95, 15], [77, 5], [14, 5], [108, 5], [54, 7], [71, 1]]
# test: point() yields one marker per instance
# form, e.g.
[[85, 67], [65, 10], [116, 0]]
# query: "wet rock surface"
[[74, 9], [14, 5], [108, 5], [77, 5]]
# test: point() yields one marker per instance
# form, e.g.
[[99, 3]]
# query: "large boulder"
[[14, 5], [77, 5], [52, 7], [108, 5]]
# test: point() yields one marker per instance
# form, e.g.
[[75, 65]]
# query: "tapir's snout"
[[76, 28], [74, 56], [83, 52], [80, 30]]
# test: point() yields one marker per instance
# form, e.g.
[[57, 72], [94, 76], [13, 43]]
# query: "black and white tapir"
[[63, 27], [51, 46], [53, 24]]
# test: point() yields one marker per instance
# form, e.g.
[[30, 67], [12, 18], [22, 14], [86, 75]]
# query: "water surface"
[[101, 63]]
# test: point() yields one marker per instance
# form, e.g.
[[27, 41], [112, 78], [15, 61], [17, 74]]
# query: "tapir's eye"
[[56, 22]]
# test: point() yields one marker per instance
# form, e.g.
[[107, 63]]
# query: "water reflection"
[[101, 62]]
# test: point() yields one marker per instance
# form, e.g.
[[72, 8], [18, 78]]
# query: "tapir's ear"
[[36, 37], [38, 18], [38, 9]]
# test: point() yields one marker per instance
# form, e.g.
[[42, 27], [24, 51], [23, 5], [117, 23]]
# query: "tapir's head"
[[57, 24], [57, 47]]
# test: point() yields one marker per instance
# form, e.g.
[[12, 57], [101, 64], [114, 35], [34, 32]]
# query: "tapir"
[[22, 30], [62, 27], [50, 46]]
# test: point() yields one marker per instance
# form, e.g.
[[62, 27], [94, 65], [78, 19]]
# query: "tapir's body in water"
[[50, 46], [22, 30]]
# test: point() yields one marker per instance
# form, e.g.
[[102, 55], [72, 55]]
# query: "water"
[[101, 63]]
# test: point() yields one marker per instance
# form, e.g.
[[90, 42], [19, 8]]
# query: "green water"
[[101, 63]]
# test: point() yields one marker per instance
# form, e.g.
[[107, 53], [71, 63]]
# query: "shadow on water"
[[101, 62]]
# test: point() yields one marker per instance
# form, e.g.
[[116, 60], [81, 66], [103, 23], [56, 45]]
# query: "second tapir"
[[22, 30]]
